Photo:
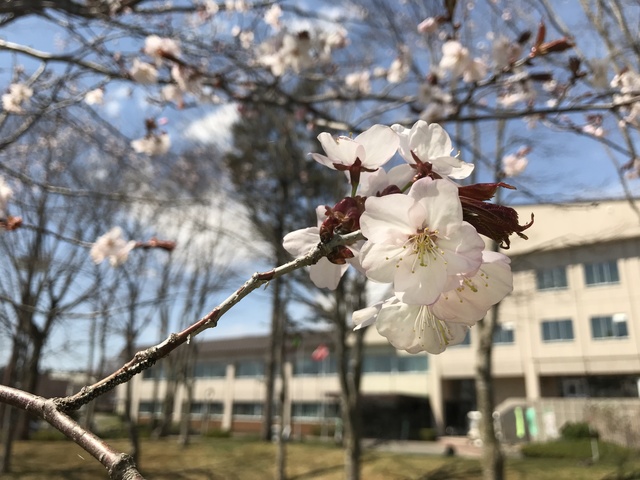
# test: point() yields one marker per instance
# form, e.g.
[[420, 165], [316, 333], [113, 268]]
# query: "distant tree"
[[279, 186]]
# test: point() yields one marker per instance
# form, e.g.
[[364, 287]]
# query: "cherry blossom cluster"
[[422, 235], [114, 247], [7, 222], [17, 96]]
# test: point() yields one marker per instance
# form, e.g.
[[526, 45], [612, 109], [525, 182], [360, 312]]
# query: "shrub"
[[576, 430], [428, 434]]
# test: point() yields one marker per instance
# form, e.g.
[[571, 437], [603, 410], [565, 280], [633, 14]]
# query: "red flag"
[[320, 353]]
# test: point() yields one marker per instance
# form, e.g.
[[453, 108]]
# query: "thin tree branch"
[[119, 465]]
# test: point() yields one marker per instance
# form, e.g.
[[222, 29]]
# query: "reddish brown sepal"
[[354, 170], [342, 218], [482, 191], [339, 255], [489, 219]]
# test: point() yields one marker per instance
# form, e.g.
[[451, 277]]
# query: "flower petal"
[[429, 141], [387, 219], [379, 261], [300, 242], [472, 299], [339, 150], [325, 274], [440, 199], [380, 143], [420, 285]]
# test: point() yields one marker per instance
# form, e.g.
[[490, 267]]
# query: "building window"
[[551, 278], [203, 408], [377, 363], [249, 368], [503, 334], [305, 365], [315, 410], [210, 370], [611, 326], [601, 273], [557, 330], [248, 409], [412, 363], [153, 373], [147, 408], [391, 362]]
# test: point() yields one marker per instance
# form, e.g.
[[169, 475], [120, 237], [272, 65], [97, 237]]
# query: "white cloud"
[[215, 128]]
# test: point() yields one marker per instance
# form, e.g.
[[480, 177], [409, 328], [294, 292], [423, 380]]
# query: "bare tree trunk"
[[7, 440], [163, 426], [492, 455], [185, 416], [29, 383], [187, 371], [349, 367], [6, 412], [352, 425], [281, 451], [132, 428], [270, 367]]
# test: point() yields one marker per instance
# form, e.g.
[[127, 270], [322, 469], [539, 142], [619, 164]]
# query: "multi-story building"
[[571, 328]]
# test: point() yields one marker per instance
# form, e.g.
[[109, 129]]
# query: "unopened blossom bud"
[[428, 25]]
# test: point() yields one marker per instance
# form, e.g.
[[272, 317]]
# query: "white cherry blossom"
[[374, 147], [433, 328], [143, 72], [5, 195], [112, 246], [505, 52], [272, 16], [159, 48], [431, 143], [18, 95], [94, 97], [515, 163], [399, 68], [419, 241], [360, 81], [455, 58]]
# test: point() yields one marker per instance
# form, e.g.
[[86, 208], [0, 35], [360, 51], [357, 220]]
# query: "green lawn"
[[242, 459]]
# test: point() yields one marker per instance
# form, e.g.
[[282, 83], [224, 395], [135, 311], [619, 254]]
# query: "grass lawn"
[[243, 459]]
